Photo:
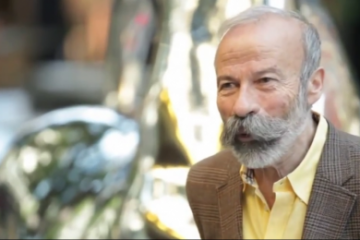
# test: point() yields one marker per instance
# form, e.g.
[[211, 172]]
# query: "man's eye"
[[265, 80], [227, 85]]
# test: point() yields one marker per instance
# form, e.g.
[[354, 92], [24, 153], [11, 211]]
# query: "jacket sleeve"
[[191, 189]]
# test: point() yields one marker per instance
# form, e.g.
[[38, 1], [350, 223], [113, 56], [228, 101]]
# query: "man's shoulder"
[[217, 160], [213, 169], [350, 141], [350, 144], [205, 176], [349, 138]]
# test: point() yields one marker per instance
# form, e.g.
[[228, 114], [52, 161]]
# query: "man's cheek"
[[225, 109], [279, 106]]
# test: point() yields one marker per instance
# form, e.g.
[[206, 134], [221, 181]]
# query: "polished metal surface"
[[66, 173], [133, 27], [340, 101], [187, 110]]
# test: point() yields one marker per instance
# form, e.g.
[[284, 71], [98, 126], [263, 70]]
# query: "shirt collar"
[[247, 176], [302, 177]]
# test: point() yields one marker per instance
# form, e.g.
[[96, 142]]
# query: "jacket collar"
[[330, 204]]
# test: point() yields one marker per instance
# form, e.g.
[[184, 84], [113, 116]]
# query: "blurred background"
[[104, 106]]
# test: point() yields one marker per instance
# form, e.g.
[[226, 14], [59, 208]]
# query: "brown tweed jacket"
[[214, 193]]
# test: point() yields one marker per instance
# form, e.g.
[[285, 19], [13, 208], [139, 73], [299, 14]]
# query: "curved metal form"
[[132, 31], [340, 102], [66, 173]]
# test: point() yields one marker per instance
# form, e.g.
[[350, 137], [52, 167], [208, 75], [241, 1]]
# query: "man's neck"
[[291, 160]]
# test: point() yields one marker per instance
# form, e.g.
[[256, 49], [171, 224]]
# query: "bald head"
[[270, 42], [311, 44]]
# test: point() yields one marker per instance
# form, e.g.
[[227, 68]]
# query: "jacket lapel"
[[229, 197], [330, 204]]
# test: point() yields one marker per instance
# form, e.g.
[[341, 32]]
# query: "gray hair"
[[311, 39]]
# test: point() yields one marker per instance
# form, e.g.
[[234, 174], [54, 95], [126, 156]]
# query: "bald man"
[[286, 173]]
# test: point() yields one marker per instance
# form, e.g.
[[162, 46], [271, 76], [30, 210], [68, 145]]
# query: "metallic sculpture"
[[340, 102], [65, 175], [67, 171]]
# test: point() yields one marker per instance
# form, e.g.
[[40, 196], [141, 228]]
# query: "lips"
[[244, 137]]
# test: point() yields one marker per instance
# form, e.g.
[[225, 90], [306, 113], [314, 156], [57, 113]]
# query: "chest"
[[284, 219]]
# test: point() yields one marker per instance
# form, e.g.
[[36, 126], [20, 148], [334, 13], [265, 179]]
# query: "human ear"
[[315, 86]]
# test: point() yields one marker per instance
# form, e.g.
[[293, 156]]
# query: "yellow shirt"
[[286, 218]]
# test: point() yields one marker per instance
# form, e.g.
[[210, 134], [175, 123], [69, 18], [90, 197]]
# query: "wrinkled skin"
[[258, 67]]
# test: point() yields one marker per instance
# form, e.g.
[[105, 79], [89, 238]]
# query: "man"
[[288, 173]]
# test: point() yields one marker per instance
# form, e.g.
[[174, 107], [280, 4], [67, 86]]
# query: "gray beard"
[[270, 145], [265, 154]]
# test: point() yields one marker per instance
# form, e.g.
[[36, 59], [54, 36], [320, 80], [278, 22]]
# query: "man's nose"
[[245, 105]]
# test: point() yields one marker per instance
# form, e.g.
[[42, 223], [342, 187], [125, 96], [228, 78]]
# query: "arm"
[[191, 189]]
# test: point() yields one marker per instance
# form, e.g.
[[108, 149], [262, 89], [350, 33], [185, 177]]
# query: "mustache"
[[261, 128]]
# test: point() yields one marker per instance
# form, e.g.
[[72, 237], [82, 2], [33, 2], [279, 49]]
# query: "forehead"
[[271, 39]]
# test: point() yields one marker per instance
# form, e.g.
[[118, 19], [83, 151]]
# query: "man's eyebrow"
[[268, 70], [256, 73], [225, 77]]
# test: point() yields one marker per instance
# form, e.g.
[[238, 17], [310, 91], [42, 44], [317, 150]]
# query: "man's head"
[[268, 77]]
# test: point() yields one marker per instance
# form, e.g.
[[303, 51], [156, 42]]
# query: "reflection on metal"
[[162, 228], [189, 86], [133, 27], [276, 3], [167, 195], [259, 2], [234, 7], [150, 122], [340, 103], [64, 176]]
